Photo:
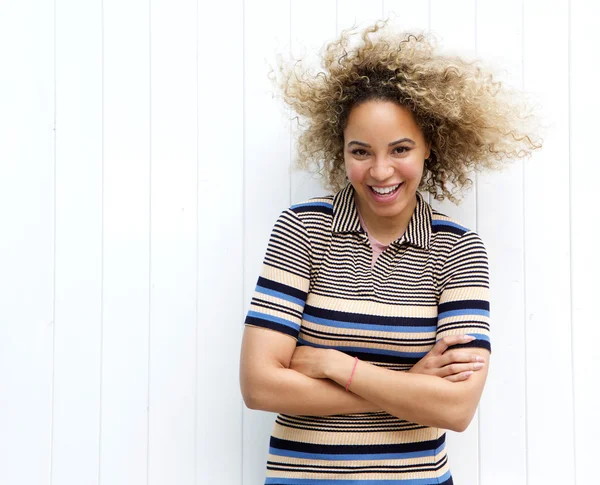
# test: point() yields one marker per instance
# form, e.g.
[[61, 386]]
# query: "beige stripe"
[[279, 301], [275, 313], [472, 293], [326, 198], [275, 274], [348, 332], [436, 216], [416, 461], [362, 438], [460, 318], [431, 474]]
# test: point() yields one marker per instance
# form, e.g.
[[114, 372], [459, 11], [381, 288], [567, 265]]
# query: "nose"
[[382, 169]]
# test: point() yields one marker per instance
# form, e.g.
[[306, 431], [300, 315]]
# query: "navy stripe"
[[353, 469], [435, 228], [280, 287], [346, 429], [379, 358], [257, 302], [369, 319], [464, 304], [259, 322], [313, 208], [477, 343], [356, 449], [446, 477], [463, 324], [392, 340]]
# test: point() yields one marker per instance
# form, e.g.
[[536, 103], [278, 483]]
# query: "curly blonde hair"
[[470, 120]]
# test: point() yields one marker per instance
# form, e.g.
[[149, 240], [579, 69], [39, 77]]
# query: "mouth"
[[388, 191]]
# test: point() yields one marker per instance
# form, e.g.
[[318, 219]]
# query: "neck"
[[386, 229]]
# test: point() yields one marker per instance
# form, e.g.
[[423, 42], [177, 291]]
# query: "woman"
[[368, 331]]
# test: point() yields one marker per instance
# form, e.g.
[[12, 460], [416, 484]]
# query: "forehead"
[[381, 118]]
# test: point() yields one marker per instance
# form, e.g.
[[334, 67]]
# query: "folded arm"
[[272, 326], [419, 398], [267, 383]]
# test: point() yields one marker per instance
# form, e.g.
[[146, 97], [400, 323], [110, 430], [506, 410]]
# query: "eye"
[[359, 152], [404, 149]]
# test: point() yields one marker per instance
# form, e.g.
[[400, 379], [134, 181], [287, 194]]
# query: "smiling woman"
[[369, 327]]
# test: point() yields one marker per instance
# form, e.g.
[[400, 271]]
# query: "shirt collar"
[[345, 218]]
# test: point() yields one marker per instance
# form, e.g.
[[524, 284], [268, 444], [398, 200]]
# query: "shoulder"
[[314, 213], [447, 232], [307, 217], [313, 206]]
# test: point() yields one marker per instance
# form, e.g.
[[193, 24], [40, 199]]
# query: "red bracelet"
[[351, 375]]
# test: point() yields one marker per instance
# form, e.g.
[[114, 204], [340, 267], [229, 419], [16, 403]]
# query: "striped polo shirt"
[[317, 285]]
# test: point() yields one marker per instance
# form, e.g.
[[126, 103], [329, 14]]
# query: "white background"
[[143, 162]]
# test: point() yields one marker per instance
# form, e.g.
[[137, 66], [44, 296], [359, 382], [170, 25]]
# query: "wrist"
[[338, 367]]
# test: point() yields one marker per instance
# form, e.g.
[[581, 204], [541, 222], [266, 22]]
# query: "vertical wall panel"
[[547, 252], [220, 241], [584, 230], [309, 34], [357, 13], [173, 266], [27, 243], [266, 180], [76, 432], [503, 413], [453, 24], [407, 14], [126, 244]]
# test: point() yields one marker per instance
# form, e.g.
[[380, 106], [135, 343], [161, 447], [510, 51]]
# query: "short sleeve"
[[282, 286], [464, 304]]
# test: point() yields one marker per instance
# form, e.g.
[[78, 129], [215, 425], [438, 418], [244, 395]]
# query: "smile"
[[387, 191]]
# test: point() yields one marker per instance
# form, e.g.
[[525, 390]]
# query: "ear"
[[428, 151]]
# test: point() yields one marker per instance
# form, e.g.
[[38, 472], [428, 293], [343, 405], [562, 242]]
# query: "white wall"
[[143, 162]]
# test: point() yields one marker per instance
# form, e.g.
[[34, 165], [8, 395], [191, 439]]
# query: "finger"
[[463, 376], [459, 355], [455, 369], [441, 345]]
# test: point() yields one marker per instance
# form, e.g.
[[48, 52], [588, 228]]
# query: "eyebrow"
[[362, 144]]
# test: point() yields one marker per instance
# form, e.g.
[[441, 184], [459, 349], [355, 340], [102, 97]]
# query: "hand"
[[455, 365], [310, 361]]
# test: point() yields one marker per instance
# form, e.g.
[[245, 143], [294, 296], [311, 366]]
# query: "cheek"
[[414, 170], [354, 172]]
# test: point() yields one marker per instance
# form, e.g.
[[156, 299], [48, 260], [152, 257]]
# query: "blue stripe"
[[364, 326], [465, 311], [448, 223], [363, 350], [279, 294], [362, 456], [271, 318], [321, 481], [319, 204]]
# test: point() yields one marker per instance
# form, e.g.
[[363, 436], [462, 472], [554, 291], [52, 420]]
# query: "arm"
[[268, 384], [423, 399], [272, 326], [271, 382]]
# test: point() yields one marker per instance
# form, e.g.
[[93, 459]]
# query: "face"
[[384, 153]]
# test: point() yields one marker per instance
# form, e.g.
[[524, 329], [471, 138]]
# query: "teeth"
[[387, 190]]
